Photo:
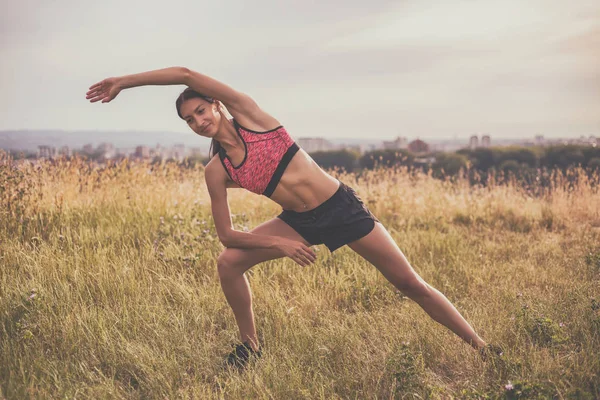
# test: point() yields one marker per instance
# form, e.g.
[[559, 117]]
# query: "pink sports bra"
[[267, 156]]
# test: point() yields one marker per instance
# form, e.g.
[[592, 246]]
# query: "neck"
[[227, 135]]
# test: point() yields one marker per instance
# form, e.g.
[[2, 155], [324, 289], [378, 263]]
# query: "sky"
[[332, 69]]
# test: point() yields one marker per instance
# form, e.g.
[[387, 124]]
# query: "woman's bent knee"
[[229, 264]]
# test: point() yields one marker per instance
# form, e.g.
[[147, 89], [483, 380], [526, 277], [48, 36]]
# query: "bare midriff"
[[304, 185]]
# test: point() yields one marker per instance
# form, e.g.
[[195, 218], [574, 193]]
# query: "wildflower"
[[561, 325], [509, 386]]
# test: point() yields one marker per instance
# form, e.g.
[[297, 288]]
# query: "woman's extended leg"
[[379, 249], [232, 263]]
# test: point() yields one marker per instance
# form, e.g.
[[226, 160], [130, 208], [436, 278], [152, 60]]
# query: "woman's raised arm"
[[184, 76], [170, 76], [109, 88], [240, 105]]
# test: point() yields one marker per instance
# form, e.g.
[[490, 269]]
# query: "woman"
[[254, 151]]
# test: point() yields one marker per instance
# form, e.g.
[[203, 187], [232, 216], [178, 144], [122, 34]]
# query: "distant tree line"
[[522, 162], [506, 159]]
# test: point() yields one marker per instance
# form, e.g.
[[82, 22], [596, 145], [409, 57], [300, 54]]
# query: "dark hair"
[[190, 93]]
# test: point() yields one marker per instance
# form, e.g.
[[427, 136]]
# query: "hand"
[[297, 251], [105, 90]]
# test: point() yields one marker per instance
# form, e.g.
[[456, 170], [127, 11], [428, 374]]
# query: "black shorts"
[[339, 220]]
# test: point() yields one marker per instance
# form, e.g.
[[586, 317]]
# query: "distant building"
[[65, 151], [486, 141], [398, 143], [359, 148], [310, 145], [142, 152], [106, 150], [418, 146], [539, 140], [473, 142], [46, 152]]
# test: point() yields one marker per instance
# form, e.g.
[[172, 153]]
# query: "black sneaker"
[[243, 353], [491, 351]]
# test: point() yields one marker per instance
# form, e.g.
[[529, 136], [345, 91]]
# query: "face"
[[201, 116]]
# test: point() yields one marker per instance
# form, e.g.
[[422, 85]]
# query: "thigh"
[[380, 249], [244, 259]]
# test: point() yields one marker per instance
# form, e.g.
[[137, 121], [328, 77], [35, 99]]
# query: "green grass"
[[109, 289]]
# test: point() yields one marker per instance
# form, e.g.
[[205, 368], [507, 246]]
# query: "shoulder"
[[216, 176], [248, 114], [214, 171]]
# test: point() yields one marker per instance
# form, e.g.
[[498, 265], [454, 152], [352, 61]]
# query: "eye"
[[200, 111]]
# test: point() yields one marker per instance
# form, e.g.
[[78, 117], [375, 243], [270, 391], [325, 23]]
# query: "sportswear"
[[339, 220], [241, 355], [267, 156]]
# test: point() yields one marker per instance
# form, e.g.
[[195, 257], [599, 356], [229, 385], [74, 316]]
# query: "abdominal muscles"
[[304, 185]]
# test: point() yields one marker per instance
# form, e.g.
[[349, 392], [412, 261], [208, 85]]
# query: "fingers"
[[310, 254], [95, 85], [95, 93], [97, 98], [304, 256], [302, 261]]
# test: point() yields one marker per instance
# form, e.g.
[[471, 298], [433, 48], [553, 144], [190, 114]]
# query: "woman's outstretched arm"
[[184, 76], [240, 105], [170, 76], [165, 76], [107, 89]]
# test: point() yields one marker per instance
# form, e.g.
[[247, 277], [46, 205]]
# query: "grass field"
[[109, 289]]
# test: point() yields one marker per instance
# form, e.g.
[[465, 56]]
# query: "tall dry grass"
[[108, 289]]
